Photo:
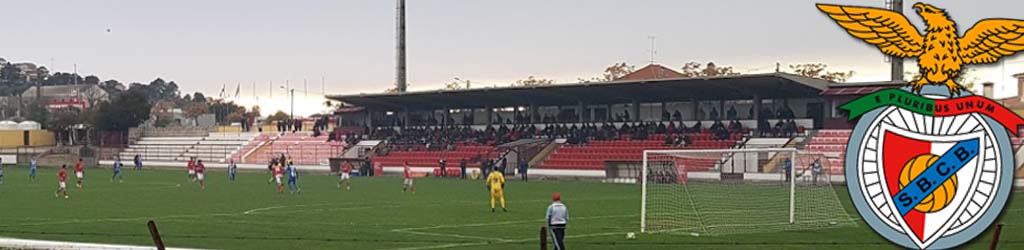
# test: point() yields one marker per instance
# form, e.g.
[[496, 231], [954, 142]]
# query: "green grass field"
[[375, 214]]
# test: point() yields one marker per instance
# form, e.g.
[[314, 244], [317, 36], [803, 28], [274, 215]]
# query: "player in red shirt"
[[79, 173], [62, 186], [200, 168], [192, 169], [344, 175], [407, 185], [278, 173]]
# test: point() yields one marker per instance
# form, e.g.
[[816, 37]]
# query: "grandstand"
[[594, 154], [832, 144], [215, 147], [304, 149], [574, 120]]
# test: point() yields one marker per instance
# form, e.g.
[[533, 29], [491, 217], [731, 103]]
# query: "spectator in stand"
[[677, 116], [766, 113], [764, 127], [700, 114], [731, 113], [665, 116], [697, 127], [714, 114]]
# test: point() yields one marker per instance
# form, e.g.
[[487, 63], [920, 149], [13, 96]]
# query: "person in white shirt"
[[557, 217]]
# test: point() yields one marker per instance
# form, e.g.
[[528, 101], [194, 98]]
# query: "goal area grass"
[[376, 214]]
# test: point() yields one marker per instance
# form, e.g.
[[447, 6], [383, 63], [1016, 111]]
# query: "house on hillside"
[[80, 96]]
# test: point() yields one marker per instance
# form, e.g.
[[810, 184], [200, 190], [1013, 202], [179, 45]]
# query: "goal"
[[732, 191]]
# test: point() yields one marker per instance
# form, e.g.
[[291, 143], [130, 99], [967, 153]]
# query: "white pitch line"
[[511, 222], [454, 245]]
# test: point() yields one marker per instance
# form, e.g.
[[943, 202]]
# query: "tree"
[[37, 112], [457, 83], [278, 116], [966, 78], [531, 81], [10, 73], [199, 97], [254, 112], [113, 87], [91, 80], [62, 120], [820, 71], [124, 111], [611, 73], [194, 109], [695, 69], [61, 78]]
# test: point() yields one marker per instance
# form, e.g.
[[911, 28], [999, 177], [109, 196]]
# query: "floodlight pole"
[[292, 113]]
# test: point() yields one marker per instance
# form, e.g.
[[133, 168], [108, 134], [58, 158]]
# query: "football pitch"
[[376, 214]]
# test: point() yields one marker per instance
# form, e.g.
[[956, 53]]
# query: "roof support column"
[[579, 111], [533, 113], [369, 119], [608, 113], [405, 117], [490, 115], [663, 110], [696, 110], [757, 113], [636, 110], [447, 114], [721, 109]]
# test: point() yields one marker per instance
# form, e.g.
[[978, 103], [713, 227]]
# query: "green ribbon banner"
[[897, 97], [935, 107]]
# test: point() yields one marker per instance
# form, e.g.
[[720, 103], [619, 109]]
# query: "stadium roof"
[[860, 88], [738, 87]]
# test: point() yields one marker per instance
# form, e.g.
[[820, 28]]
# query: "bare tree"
[[695, 69], [820, 71], [532, 81]]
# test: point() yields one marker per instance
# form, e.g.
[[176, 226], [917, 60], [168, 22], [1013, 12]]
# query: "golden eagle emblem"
[[940, 52]]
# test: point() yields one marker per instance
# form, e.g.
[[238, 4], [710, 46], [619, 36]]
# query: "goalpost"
[[729, 191]]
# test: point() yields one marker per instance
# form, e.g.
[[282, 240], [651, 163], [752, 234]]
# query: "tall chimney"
[[897, 62], [986, 89], [400, 84]]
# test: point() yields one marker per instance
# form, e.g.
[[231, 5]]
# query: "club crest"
[[929, 166]]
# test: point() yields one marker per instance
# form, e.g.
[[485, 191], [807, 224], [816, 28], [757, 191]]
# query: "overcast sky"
[[204, 45]]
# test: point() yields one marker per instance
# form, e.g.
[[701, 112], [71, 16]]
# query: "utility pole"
[[897, 62]]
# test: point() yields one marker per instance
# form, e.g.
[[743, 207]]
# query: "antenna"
[[653, 49]]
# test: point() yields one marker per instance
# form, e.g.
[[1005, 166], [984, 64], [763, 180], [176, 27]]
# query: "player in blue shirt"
[[293, 176], [117, 171], [232, 169], [32, 169]]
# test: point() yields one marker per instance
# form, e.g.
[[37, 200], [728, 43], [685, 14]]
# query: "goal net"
[[732, 191]]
